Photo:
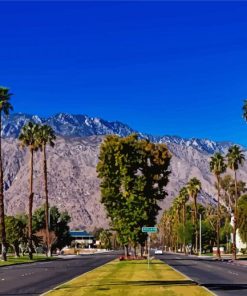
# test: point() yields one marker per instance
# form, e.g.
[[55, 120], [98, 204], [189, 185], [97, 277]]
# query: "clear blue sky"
[[163, 68]]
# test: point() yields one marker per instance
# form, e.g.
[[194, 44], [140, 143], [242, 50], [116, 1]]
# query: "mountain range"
[[73, 182]]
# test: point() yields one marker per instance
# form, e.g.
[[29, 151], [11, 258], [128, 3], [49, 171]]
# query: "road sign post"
[[149, 230]]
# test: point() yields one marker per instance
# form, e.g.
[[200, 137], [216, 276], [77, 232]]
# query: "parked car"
[[158, 252]]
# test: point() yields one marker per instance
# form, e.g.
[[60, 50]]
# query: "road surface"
[[37, 278], [222, 278]]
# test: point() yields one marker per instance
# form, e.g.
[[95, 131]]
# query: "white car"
[[158, 252]]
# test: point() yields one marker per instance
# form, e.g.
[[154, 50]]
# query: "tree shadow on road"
[[133, 283], [226, 287]]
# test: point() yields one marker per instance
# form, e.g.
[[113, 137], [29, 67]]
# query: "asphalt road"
[[222, 278], [37, 278]]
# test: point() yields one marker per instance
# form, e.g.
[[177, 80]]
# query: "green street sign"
[[149, 229]]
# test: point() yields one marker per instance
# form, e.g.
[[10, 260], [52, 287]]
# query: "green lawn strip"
[[127, 278], [24, 259]]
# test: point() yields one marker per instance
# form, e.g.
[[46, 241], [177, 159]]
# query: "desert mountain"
[[73, 183]]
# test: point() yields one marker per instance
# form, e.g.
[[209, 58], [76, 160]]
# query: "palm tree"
[[176, 208], [28, 138], [184, 197], [245, 110], [218, 167], [46, 137], [235, 157], [194, 186], [5, 107]]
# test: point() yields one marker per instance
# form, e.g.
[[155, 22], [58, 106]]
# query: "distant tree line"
[[180, 225], [17, 235]]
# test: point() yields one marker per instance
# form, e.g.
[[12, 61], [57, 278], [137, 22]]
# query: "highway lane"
[[222, 278], [37, 278]]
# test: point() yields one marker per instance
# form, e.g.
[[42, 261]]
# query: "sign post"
[[149, 230]]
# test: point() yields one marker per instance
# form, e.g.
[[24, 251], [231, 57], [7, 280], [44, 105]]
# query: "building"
[[82, 239]]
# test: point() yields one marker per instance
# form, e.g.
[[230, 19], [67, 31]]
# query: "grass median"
[[24, 259], [127, 278]]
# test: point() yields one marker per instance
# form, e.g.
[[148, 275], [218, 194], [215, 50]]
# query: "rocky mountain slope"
[[73, 183]]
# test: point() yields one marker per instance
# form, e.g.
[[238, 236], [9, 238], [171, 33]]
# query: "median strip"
[[130, 278]]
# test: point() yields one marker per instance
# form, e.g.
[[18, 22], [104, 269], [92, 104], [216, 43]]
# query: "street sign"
[[149, 229]]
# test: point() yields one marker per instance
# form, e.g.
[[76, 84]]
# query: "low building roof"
[[80, 233]]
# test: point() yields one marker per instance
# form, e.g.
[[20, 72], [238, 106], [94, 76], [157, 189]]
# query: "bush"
[[243, 251]]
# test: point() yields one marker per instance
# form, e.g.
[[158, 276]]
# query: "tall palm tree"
[[46, 137], [5, 107], [245, 110], [28, 138], [218, 167], [184, 197], [235, 158], [194, 186]]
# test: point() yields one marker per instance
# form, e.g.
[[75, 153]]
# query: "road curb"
[[53, 289], [22, 263], [188, 278]]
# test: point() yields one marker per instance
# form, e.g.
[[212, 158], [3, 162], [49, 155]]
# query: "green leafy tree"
[[105, 239], [58, 224], [218, 167], [242, 217], [28, 138], [235, 158], [185, 233], [133, 176], [5, 107], [46, 136], [194, 187], [15, 232]]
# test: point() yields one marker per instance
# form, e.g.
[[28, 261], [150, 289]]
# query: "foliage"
[[133, 176], [15, 232], [58, 223], [5, 107], [185, 233], [242, 217], [105, 239], [235, 157]]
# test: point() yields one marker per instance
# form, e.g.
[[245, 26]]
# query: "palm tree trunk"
[[2, 216], [234, 247], [16, 250], [196, 226], [46, 202], [30, 247], [218, 218], [184, 221]]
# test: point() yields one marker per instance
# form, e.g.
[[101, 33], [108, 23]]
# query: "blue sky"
[[163, 68]]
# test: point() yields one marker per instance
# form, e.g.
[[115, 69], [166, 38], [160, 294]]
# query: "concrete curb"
[[22, 263]]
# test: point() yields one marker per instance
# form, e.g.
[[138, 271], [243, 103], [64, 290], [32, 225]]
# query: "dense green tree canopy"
[[133, 176], [58, 223], [242, 217]]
